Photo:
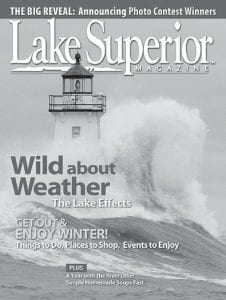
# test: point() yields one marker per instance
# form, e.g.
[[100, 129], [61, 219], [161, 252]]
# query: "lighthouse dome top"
[[77, 70]]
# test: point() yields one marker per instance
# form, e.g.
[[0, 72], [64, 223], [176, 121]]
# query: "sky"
[[24, 115]]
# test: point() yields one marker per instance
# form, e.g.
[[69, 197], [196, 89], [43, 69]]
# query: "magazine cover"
[[113, 150]]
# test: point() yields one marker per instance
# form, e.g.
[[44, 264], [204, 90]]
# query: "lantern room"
[[77, 80], [77, 111], [77, 93]]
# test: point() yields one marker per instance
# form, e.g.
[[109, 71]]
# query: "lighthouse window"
[[66, 86], [77, 86], [87, 85], [76, 131]]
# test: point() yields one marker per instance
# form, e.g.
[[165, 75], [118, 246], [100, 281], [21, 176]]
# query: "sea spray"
[[158, 148]]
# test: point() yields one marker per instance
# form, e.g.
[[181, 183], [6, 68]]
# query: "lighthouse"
[[77, 111]]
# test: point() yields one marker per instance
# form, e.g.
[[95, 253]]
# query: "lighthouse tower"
[[77, 111]]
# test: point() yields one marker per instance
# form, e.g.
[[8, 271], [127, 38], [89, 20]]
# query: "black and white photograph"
[[113, 151]]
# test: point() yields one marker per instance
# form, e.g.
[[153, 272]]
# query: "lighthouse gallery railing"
[[77, 102]]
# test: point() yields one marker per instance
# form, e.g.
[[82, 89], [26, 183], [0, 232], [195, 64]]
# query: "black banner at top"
[[113, 9]]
